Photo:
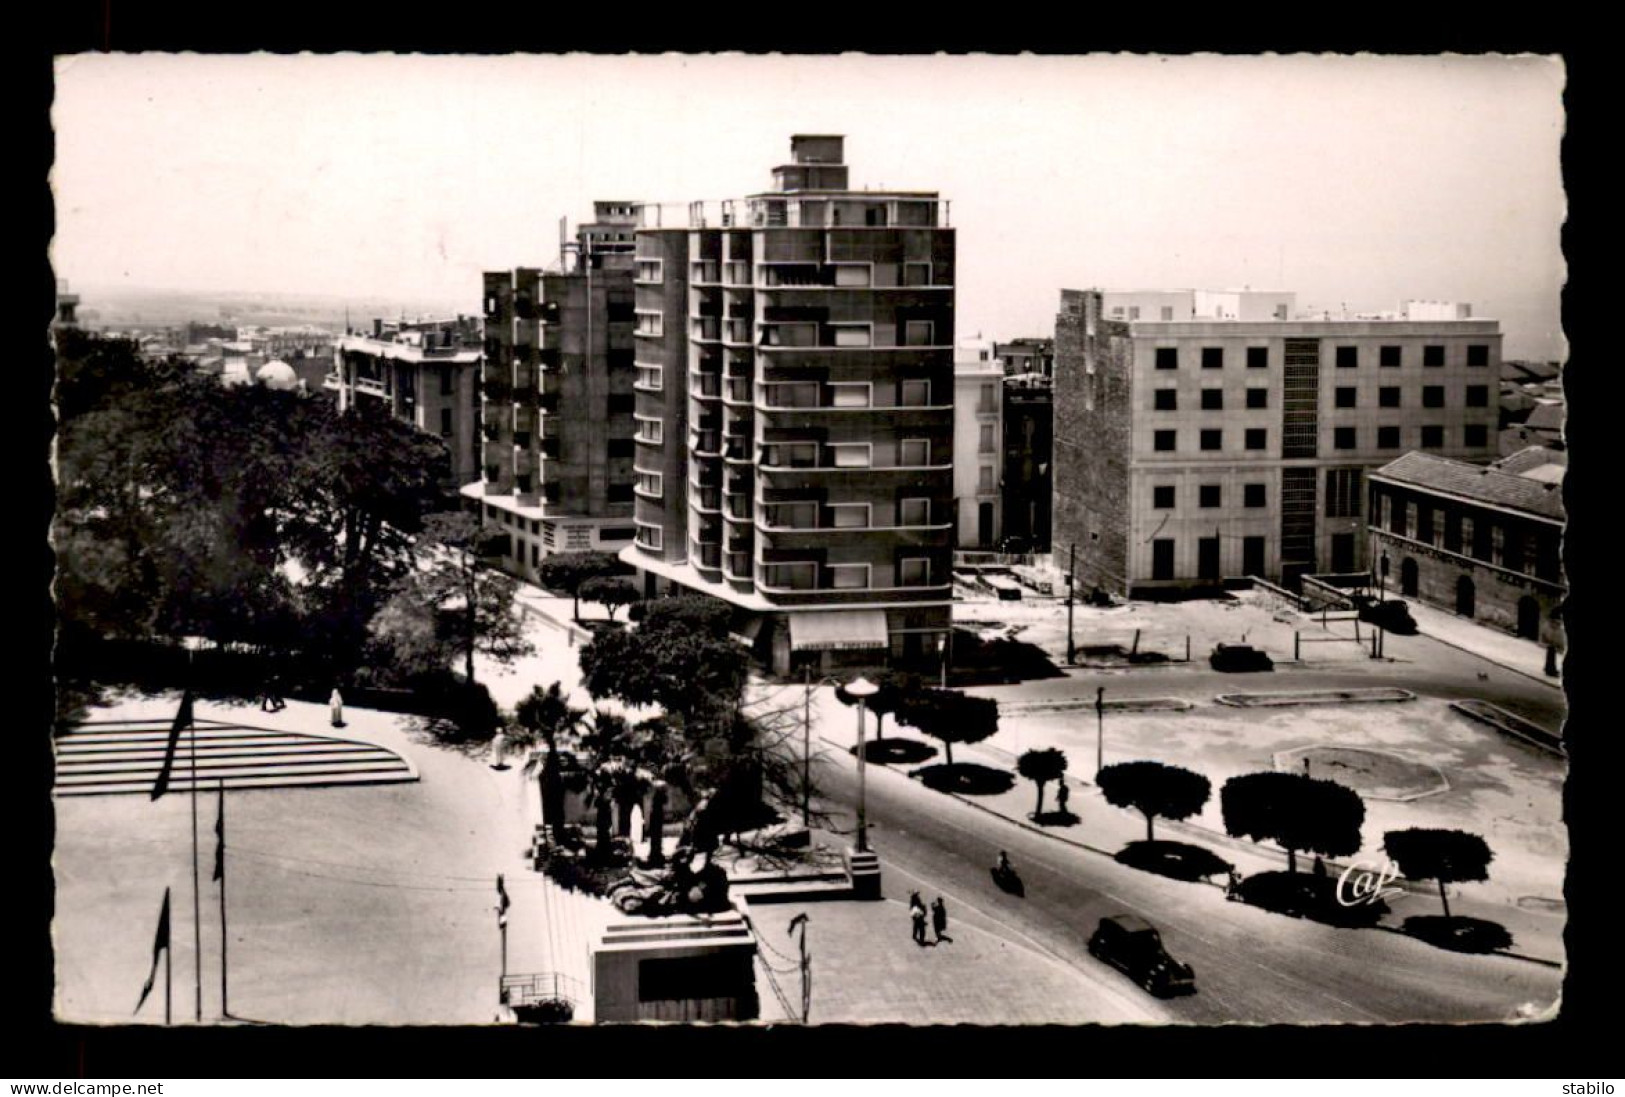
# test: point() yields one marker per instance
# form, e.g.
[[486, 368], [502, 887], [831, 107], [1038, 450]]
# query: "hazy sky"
[[1356, 181]]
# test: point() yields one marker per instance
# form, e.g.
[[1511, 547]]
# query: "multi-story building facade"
[[1483, 542], [978, 427], [558, 398], [423, 372], [1027, 483], [1020, 356], [1193, 450], [795, 417]]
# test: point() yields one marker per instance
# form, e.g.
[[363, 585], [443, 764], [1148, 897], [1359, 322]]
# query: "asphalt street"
[[1251, 966]]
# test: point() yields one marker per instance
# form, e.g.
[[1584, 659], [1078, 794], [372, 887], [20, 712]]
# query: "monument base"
[[863, 869]]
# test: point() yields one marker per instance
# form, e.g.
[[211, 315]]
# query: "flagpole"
[[220, 864], [197, 908]]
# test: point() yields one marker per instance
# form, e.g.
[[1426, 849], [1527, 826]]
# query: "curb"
[[1541, 678]]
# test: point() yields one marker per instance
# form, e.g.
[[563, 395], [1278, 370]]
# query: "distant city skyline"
[[1356, 182]]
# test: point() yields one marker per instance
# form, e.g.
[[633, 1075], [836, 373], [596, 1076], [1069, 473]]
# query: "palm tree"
[[548, 715]]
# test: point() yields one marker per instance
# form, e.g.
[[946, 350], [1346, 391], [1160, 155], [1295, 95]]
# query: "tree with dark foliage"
[[1447, 856], [568, 571], [1295, 812], [950, 717], [1041, 767], [1154, 790]]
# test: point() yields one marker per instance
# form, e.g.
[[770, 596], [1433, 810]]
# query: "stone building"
[[1483, 542], [1231, 441]]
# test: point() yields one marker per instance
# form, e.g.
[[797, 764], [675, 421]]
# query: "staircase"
[[101, 758]]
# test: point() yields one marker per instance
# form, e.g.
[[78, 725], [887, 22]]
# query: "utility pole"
[[1100, 730], [1071, 579], [806, 751]]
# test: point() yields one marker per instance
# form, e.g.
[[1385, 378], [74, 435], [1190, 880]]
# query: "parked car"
[[1392, 615], [1133, 946], [1240, 657]]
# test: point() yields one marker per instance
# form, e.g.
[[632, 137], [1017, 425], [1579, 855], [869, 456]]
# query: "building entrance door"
[[1342, 553], [1528, 618], [1465, 594], [1207, 559], [1252, 556], [984, 525]]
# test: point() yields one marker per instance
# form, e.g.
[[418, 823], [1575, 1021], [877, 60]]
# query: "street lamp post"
[[1100, 730], [862, 689]]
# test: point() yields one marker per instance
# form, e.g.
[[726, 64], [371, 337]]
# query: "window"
[[1212, 399], [1212, 439], [918, 333], [984, 438], [618, 312], [1258, 357], [1452, 530], [649, 270], [1252, 495], [1258, 398], [1162, 497], [1163, 441], [849, 515], [1478, 396], [1387, 437], [914, 452], [649, 377], [1433, 355], [622, 403], [1166, 399], [795, 515], [651, 430], [915, 512], [446, 387], [1167, 312], [618, 493], [1475, 435], [648, 483], [849, 576], [1345, 397], [493, 473], [1388, 396], [1212, 357], [1343, 492], [649, 536], [619, 447], [1478, 354], [1134, 312], [1257, 438], [850, 455], [1424, 524], [1167, 357], [852, 274], [917, 394], [1209, 496], [914, 571], [984, 480], [800, 395], [445, 421], [1348, 357], [649, 323], [852, 336], [1433, 396], [917, 274], [1388, 356], [1432, 437], [1484, 532], [796, 576], [1343, 438], [843, 395], [521, 483], [521, 438]]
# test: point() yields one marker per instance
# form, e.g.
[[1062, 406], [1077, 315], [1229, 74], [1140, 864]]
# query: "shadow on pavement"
[[1305, 895], [966, 778], [1459, 934], [1177, 860], [891, 751], [1055, 819]]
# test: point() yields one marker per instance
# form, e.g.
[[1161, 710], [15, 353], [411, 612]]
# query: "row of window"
[[1343, 494], [1516, 546], [1388, 396], [1347, 357], [912, 571], [806, 514], [843, 394], [1431, 436], [1209, 495], [911, 453]]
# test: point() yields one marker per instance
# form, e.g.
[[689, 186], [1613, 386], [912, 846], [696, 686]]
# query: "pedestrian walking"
[[916, 910], [272, 700], [1062, 795], [939, 919], [336, 703]]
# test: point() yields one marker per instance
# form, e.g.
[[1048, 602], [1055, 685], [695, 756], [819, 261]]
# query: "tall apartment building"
[[795, 409], [1198, 448], [423, 372], [1029, 461], [558, 402], [978, 427]]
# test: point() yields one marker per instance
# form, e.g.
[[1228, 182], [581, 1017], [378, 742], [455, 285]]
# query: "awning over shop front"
[[838, 630]]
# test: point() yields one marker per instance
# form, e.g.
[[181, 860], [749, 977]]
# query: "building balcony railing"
[[706, 555], [799, 466], [763, 526], [706, 499], [371, 387], [705, 443]]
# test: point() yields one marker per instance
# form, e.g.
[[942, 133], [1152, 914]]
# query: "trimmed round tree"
[[1154, 789], [1448, 856], [1295, 812], [567, 571], [610, 591], [1041, 767], [950, 717], [896, 687]]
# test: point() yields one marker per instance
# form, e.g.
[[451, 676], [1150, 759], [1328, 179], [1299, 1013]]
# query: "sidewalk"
[[1512, 652]]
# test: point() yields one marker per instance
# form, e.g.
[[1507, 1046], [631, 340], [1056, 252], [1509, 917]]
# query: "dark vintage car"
[[1133, 946], [1240, 657], [1392, 615]]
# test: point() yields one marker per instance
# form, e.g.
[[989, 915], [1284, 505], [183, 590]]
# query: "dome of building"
[[277, 374]]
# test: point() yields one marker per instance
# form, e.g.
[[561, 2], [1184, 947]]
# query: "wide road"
[[1251, 966]]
